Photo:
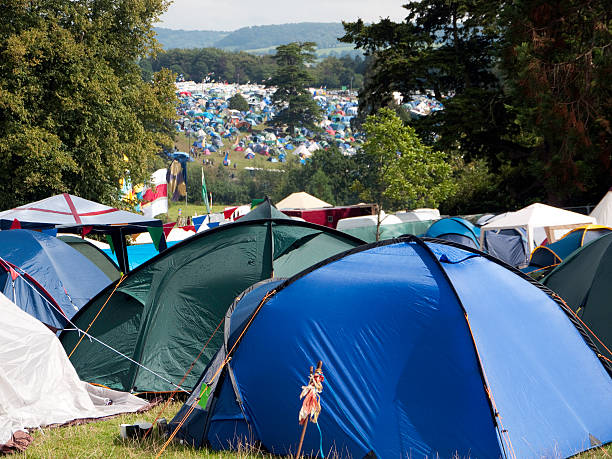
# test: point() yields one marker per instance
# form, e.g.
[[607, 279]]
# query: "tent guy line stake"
[[127, 358], [123, 276], [97, 340], [225, 362], [184, 377]]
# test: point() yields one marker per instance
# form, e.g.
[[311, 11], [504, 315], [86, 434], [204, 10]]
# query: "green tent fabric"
[[95, 255], [164, 311], [368, 233], [584, 281]]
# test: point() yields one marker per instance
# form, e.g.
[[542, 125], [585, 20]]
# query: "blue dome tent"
[[421, 358], [456, 229], [46, 277]]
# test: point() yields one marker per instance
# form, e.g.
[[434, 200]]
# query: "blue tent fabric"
[[509, 245], [456, 229], [30, 296], [553, 254], [410, 336], [70, 278]]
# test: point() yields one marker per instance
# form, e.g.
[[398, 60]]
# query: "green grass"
[[183, 142], [189, 210], [102, 440]]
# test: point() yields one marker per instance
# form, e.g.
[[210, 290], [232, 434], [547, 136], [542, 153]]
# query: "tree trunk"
[[378, 221]]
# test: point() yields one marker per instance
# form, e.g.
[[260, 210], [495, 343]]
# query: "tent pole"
[[271, 236], [121, 250]]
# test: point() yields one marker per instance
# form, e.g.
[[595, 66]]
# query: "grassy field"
[[189, 209], [183, 142], [102, 440]]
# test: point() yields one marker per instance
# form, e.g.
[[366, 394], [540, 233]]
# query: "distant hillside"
[[325, 35], [188, 39], [257, 39]]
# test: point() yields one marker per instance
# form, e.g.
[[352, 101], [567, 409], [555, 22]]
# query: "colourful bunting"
[[85, 231], [156, 233], [109, 240], [168, 227], [256, 202], [227, 213]]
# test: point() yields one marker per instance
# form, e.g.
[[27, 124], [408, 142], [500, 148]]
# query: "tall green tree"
[[558, 64], [296, 107], [396, 170], [450, 49], [76, 115]]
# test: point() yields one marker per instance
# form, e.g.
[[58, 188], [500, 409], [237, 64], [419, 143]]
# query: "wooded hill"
[[259, 39]]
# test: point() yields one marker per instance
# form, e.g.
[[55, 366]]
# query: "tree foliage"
[[396, 170], [540, 127], [558, 62], [212, 63], [241, 67], [74, 106], [295, 105], [238, 102]]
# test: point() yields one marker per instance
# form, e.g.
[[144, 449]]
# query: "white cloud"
[[233, 14]]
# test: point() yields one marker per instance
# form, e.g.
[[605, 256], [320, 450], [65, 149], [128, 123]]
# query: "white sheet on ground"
[[38, 384]]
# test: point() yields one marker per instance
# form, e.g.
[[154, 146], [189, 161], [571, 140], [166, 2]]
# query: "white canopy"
[[66, 210], [38, 384], [70, 213], [603, 211], [538, 216], [301, 200]]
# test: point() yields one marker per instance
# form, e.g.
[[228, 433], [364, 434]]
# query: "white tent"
[[366, 220], [302, 151], [38, 384], [418, 215], [314, 146], [603, 211], [301, 200], [538, 216]]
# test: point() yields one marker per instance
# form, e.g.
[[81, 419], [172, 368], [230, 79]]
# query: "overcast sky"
[[233, 14]]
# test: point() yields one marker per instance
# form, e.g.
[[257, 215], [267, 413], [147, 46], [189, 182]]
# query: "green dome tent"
[[583, 280], [162, 314]]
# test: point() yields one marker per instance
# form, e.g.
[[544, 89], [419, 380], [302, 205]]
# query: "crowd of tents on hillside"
[[234, 311], [205, 115]]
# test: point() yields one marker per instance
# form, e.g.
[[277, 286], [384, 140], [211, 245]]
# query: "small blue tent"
[[509, 245], [428, 350], [49, 279], [456, 229]]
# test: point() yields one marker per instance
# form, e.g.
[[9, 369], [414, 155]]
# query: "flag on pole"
[[155, 198], [205, 193]]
